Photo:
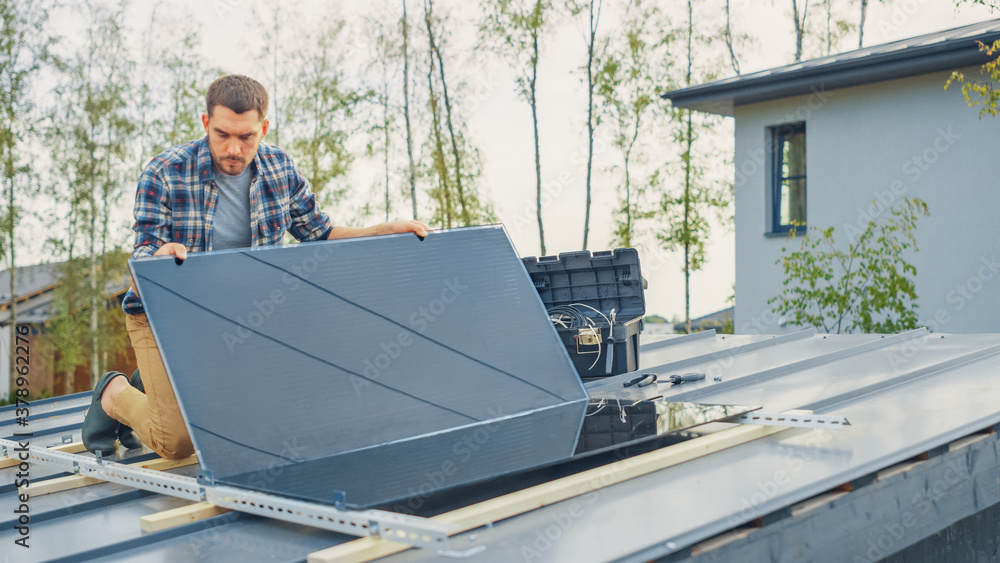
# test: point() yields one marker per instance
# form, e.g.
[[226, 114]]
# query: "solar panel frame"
[[307, 359]]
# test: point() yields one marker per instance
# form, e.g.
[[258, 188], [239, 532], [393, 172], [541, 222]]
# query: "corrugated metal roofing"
[[933, 52], [905, 395]]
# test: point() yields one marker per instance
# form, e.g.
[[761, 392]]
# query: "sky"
[[500, 122]]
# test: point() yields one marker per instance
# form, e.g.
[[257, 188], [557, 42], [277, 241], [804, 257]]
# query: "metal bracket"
[[793, 420], [340, 500], [205, 477], [412, 530]]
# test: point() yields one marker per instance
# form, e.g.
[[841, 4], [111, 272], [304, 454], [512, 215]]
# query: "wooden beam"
[[493, 510], [58, 484], [76, 481], [179, 516], [161, 464], [71, 448]]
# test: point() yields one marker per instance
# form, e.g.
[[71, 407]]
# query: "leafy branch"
[[866, 288], [985, 93]]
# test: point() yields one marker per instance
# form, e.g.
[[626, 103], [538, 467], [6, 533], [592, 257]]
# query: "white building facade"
[[836, 141]]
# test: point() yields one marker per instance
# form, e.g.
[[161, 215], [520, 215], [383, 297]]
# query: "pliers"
[[641, 381]]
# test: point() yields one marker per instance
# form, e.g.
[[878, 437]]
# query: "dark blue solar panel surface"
[[361, 365]]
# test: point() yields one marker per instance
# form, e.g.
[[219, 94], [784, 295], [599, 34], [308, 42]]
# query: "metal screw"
[[718, 378]]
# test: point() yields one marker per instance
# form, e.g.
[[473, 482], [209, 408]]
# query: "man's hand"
[[417, 227], [175, 249]]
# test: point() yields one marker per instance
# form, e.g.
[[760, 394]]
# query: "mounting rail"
[[412, 530]]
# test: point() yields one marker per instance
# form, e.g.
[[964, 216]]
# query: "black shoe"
[[100, 431], [136, 381], [125, 433]]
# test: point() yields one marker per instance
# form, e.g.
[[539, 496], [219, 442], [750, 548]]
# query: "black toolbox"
[[599, 303]]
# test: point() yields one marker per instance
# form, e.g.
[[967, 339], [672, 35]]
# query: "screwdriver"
[[676, 379]]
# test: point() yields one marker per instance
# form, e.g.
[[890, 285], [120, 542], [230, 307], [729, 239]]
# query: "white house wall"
[[901, 138]]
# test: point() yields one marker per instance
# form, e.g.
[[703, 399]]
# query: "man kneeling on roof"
[[225, 190]]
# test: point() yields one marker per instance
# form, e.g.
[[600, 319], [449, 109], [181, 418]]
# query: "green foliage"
[[320, 111], [685, 207], [993, 5], [513, 29], [385, 40], [867, 287], [91, 135], [983, 93], [170, 82], [627, 81], [456, 167], [23, 48], [69, 329]]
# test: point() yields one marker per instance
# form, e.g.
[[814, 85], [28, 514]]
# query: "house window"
[[788, 191]]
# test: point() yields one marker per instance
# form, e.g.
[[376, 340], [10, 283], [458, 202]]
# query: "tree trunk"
[[385, 124], [406, 111], [439, 160], [861, 26], [11, 222], [800, 26], [538, 154], [729, 43], [689, 141], [463, 213], [590, 118], [274, 71]]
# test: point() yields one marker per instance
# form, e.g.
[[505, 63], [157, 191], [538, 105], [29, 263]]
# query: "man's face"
[[233, 138]]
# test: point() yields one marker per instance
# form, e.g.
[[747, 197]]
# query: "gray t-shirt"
[[231, 227]]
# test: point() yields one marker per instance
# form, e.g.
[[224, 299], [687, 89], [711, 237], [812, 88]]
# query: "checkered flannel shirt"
[[177, 195]]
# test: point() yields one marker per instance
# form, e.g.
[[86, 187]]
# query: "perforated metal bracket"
[[794, 420], [411, 530]]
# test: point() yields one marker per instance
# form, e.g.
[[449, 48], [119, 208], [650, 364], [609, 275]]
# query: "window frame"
[[777, 136]]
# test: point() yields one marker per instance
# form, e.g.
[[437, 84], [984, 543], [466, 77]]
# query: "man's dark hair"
[[238, 93]]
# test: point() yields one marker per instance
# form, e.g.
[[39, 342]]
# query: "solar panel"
[[373, 368]]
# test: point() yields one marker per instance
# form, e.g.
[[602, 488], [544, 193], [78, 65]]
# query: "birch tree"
[[22, 50], [385, 53], [90, 137], [412, 168], [321, 110], [457, 167], [686, 211], [514, 29], [626, 83], [595, 48]]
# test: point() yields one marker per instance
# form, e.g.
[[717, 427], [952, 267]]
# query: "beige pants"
[[155, 415]]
